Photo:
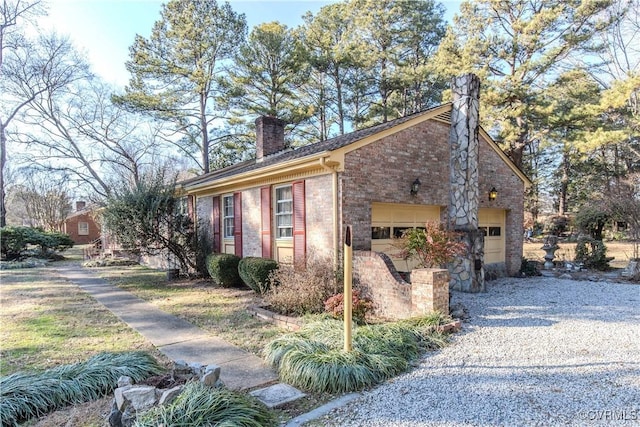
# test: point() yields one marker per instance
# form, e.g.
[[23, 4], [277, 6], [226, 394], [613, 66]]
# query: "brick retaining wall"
[[393, 298]]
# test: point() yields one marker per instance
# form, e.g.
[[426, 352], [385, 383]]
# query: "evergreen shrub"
[[223, 269], [254, 272]]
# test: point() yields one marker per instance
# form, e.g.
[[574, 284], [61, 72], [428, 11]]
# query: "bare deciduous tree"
[[12, 12]]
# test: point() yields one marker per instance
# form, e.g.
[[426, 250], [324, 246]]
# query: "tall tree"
[[268, 73], [326, 38], [516, 47], [45, 200], [176, 71], [396, 39], [80, 133], [13, 13], [568, 120]]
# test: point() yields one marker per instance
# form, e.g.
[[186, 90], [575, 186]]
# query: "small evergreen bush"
[[592, 253], [15, 242], [302, 290], [529, 268], [223, 269], [254, 272]]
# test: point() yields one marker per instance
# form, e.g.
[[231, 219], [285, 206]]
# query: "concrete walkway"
[[174, 337]]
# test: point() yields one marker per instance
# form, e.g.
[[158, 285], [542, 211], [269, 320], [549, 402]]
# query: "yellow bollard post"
[[347, 300]]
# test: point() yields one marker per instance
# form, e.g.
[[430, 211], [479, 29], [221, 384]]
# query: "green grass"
[[28, 395], [314, 359], [220, 311], [47, 322]]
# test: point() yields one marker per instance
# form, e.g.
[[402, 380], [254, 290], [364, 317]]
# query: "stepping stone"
[[277, 395]]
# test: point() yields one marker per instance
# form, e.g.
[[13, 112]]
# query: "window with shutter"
[[299, 223], [215, 223], [237, 223], [265, 207], [284, 212]]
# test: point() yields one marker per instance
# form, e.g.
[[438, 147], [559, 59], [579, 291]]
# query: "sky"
[[104, 29]]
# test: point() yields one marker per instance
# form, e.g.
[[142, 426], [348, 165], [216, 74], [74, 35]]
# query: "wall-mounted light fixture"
[[415, 187], [493, 194]]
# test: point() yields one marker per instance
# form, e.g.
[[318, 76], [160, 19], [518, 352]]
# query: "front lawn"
[[220, 311], [47, 321]]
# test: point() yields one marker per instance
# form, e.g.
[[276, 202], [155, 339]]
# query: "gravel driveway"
[[534, 352]]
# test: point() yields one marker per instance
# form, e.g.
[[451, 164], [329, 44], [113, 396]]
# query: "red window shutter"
[[265, 209], [215, 223], [237, 223], [299, 224], [190, 206]]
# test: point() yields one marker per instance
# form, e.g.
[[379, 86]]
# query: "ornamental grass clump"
[[28, 395], [200, 405], [314, 359]]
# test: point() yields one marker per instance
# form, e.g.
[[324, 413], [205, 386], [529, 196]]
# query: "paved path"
[[174, 337]]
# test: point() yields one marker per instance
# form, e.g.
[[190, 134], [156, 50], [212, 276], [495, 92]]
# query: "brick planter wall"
[[393, 298]]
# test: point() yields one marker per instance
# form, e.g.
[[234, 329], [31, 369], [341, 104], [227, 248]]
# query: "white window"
[[284, 212], [227, 216], [83, 228]]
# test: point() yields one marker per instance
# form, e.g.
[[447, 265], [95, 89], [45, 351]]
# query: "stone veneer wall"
[[393, 297]]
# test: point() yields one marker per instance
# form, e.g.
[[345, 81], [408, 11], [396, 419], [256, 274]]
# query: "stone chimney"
[[80, 205], [269, 136], [467, 271]]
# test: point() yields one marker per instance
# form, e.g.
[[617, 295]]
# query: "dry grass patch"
[[220, 311], [621, 251], [47, 322]]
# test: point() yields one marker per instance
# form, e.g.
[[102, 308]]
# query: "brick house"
[[81, 225], [290, 203]]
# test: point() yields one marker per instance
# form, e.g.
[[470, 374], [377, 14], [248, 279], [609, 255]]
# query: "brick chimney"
[[269, 136], [80, 205]]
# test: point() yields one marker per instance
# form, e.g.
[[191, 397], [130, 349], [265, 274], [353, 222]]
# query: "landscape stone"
[[120, 399], [170, 395], [140, 397], [277, 395], [125, 381], [211, 376]]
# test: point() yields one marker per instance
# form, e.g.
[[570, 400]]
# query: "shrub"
[[24, 396], [255, 271], [200, 405], [223, 269], [591, 219], [298, 291], [359, 309], [592, 253], [529, 268], [432, 246], [557, 225], [15, 241]]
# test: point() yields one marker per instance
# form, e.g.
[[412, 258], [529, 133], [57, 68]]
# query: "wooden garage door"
[[492, 223], [389, 220]]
